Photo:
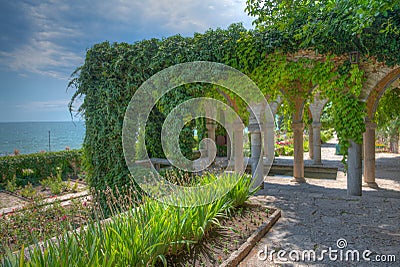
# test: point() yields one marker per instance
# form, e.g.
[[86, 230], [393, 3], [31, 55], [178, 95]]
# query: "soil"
[[222, 241], [8, 200]]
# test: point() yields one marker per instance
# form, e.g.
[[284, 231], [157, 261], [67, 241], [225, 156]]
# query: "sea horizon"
[[29, 137]]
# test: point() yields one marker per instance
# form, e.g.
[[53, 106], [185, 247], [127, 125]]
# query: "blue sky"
[[42, 42]]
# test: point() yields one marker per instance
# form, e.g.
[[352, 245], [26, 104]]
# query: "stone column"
[[298, 163], [269, 130], [316, 108], [256, 157], [369, 154], [310, 142], [255, 126], [317, 143], [354, 174], [228, 140], [238, 146], [211, 149], [269, 140]]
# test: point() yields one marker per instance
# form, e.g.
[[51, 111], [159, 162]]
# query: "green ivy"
[[39, 166], [112, 73]]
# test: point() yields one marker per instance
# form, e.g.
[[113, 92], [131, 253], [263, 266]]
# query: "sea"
[[33, 137]]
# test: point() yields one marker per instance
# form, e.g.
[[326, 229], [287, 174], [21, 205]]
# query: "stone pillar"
[[369, 154], [269, 130], [256, 157], [269, 140], [228, 140], [211, 149], [354, 173], [317, 143], [255, 126], [316, 108], [298, 163], [238, 146], [310, 142]]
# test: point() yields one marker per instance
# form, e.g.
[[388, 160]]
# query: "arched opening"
[[391, 80]]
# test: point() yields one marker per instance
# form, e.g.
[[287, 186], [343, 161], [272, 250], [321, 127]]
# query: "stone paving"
[[317, 214]]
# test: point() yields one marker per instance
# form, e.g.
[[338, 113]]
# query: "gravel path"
[[317, 214]]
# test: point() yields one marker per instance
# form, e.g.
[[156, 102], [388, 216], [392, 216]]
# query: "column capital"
[[210, 124], [254, 128], [256, 112], [316, 124], [298, 126], [370, 125], [238, 125]]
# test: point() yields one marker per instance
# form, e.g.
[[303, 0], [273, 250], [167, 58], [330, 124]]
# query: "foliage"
[[336, 26], [326, 135], [34, 167], [142, 236], [285, 146], [388, 116], [28, 191], [11, 184], [55, 183]]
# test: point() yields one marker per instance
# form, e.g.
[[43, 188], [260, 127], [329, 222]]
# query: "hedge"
[[41, 165]]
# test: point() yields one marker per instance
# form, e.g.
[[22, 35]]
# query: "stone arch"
[[369, 136], [315, 109], [378, 90]]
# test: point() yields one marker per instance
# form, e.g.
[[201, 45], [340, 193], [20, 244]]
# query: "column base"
[[298, 180], [317, 164], [373, 185], [262, 185]]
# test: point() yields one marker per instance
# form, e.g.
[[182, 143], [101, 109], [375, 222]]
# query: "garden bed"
[[154, 233], [24, 195], [229, 244], [40, 220]]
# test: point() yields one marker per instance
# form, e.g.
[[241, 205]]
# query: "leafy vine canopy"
[[112, 72]]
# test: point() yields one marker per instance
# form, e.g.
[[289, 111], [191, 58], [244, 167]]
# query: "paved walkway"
[[317, 214]]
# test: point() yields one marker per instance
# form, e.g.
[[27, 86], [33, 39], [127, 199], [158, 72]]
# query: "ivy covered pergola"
[[300, 53]]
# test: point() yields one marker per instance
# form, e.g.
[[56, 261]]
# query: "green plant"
[[55, 183], [326, 135], [11, 185], [28, 191], [34, 167]]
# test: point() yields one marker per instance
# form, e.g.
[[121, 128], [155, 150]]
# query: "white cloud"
[[62, 30], [180, 16], [43, 57], [44, 53]]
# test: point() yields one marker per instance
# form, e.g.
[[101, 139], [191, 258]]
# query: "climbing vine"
[[112, 72]]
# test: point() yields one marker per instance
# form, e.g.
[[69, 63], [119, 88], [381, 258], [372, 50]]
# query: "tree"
[[315, 23]]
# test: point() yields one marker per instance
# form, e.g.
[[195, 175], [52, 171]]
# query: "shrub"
[[326, 135], [11, 185], [34, 167], [28, 191]]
